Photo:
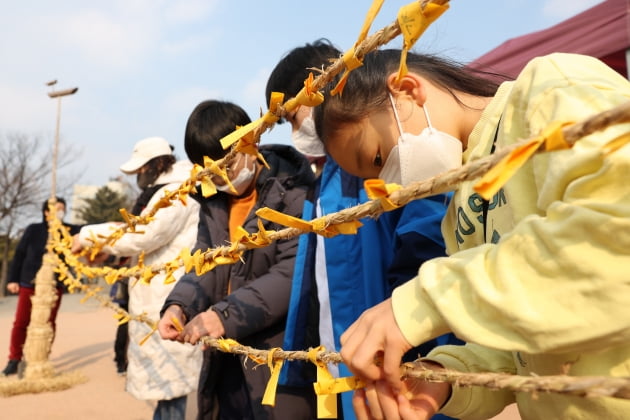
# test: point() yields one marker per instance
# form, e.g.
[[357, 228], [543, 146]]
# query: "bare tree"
[[25, 173]]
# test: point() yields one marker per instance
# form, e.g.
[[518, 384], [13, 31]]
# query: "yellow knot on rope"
[[413, 20], [319, 226], [552, 138], [269, 397], [377, 189]]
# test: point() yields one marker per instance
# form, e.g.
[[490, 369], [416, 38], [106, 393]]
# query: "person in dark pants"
[[22, 271], [120, 295]]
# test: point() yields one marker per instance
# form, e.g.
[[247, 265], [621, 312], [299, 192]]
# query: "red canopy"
[[603, 31]]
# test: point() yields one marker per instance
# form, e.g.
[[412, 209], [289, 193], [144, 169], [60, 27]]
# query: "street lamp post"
[[39, 335], [57, 94]]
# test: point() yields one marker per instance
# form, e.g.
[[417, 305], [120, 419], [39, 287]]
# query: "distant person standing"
[[157, 369], [24, 267]]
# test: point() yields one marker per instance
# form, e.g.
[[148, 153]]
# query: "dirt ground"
[[84, 343]]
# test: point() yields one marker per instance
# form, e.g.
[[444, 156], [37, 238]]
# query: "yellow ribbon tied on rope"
[[240, 132], [196, 261], [247, 144], [377, 189], [226, 344], [351, 62], [187, 259], [551, 138], [413, 20], [326, 403], [350, 59], [154, 328], [327, 386], [275, 100], [269, 397], [255, 240], [208, 189], [122, 318], [307, 96], [318, 226], [169, 270], [236, 135]]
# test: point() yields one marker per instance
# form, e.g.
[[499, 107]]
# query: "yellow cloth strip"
[[244, 131], [551, 138], [369, 19], [236, 135], [255, 240], [350, 59], [247, 144], [413, 21], [283, 219], [378, 189], [347, 228], [326, 403], [178, 326], [147, 276], [154, 328], [202, 265], [338, 385], [351, 62], [207, 186], [226, 344], [308, 96], [122, 318], [317, 226], [275, 100], [269, 397]]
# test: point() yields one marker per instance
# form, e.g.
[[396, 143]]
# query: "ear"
[[410, 85]]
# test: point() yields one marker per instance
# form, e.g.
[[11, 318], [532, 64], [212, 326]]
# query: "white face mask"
[[61, 214], [242, 181], [422, 156], [306, 141]]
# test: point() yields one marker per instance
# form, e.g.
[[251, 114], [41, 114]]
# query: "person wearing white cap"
[[159, 370]]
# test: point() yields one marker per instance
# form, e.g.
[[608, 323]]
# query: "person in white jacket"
[[157, 370]]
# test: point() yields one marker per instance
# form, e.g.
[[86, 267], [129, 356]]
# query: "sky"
[[141, 66]]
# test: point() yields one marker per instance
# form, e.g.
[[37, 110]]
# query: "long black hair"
[[366, 89]]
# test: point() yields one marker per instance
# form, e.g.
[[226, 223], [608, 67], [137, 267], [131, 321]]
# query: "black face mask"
[[147, 177]]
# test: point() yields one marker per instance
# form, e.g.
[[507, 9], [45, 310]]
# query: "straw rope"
[[448, 181], [369, 44]]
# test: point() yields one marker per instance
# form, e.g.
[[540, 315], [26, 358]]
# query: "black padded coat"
[[254, 313]]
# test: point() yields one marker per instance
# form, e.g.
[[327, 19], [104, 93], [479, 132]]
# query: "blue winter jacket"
[[362, 269]]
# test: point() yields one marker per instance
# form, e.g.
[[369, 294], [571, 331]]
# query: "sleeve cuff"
[[461, 397], [415, 315]]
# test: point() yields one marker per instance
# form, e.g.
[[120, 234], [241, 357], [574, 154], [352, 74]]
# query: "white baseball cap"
[[144, 151]]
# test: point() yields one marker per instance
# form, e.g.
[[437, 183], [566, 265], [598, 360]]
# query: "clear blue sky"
[[142, 65]]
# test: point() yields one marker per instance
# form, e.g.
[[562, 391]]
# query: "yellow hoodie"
[[551, 288]]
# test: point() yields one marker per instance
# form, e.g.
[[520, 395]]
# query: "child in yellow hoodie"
[[536, 278]]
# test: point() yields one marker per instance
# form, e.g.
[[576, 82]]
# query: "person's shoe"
[[121, 369], [11, 368]]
